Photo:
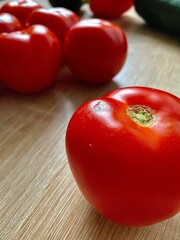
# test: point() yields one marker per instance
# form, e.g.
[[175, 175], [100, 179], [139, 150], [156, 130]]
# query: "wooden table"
[[39, 197]]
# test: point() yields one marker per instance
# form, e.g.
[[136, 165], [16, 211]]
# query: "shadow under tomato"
[[77, 92], [37, 110], [100, 228], [62, 98]]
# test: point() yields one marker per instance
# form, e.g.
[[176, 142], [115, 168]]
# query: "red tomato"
[[9, 23], [20, 9], [95, 50], [110, 8], [59, 20], [123, 150], [30, 59]]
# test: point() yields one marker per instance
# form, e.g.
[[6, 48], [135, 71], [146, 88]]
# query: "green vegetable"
[[162, 14], [73, 5]]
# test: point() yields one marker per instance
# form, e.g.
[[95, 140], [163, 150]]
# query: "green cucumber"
[[162, 14]]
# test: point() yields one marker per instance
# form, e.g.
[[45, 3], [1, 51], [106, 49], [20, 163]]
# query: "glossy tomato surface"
[[30, 59], [20, 8], [123, 150], [95, 50], [9, 23], [58, 20], [110, 8]]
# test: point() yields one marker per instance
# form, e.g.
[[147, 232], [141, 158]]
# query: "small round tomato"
[[30, 59], [123, 150], [95, 50], [110, 8], [9, 23], [20, 9], [58, 20]]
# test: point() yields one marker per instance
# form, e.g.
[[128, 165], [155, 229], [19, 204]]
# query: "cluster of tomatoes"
[[35, 42], [123, 148]]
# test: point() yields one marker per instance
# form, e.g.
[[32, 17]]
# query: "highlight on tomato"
[[9, 23]]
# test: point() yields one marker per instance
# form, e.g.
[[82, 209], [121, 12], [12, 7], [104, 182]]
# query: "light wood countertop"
[[39, 198]]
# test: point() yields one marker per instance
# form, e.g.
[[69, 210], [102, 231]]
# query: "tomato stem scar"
[[142, 115]]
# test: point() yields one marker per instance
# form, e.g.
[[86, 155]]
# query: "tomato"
[[59, 20], [95, 50], [30, 59], [110, 8], [20, 9], [9, 23], [123, 150]]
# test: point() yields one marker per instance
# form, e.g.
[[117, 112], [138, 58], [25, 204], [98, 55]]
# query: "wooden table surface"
[[39, 198]]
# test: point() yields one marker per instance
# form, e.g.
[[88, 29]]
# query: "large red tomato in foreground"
[[123, 150]]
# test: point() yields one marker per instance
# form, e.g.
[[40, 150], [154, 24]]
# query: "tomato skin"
[[95, 50], [58, 20], [9, 23], [20, 9], [30, 59], [110, 8], [127, 172]]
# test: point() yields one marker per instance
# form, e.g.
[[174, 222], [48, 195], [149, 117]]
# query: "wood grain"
[[39, 198]]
